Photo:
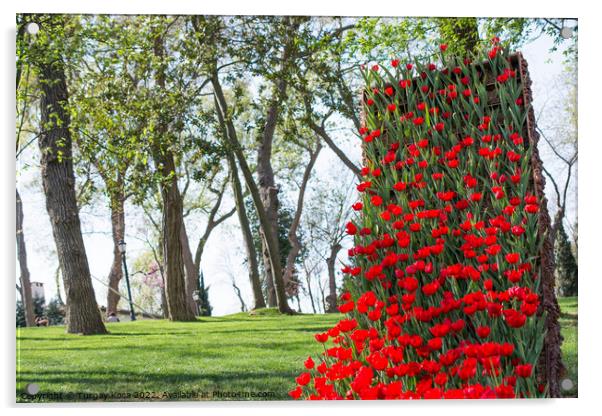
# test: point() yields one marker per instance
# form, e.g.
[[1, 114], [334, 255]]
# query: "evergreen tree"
[[20, 315], [55, 312], [566, 265], [204, 305]]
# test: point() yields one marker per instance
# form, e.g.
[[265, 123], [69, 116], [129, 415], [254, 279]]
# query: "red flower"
[[443, 47], [351, 228], [346, 307], [295, 393], [391, 108], [309, 363], [512, 258], [523, 370], [483, 331], [415, 227], [517, 230], [378, 361], [389, 91], [303, 379], [321, 338], [376, 200], [418, 121], [435, 344], [399, 186]]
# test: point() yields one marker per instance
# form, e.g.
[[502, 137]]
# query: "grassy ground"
[[568, 323], [237, 354]]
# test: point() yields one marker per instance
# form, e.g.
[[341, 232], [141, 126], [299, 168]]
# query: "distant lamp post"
[[121, 247]]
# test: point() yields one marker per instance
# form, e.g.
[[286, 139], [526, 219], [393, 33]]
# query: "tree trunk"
[[270, 237], [309, 291], [550, 365], [292, 234], [26, 296], [331, 299], [58, 181], [177, 305], [267, 267], [118, 232], [243, 219], [265, 174], [269, 199], [192, 272]]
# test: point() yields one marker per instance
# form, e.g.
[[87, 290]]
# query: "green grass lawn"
[[236, 353], [239, 353], [568, 324]]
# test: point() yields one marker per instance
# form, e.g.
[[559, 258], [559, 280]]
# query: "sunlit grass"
[[236, 354]]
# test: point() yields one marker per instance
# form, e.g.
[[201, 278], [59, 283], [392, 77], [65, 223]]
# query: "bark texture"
[[331, 299], [58, 181], [118, 232], [192, 273], [26, 296], [550, 366], [265, 174], [178, 307]]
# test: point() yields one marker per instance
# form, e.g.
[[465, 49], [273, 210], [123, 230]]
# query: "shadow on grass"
[[106, 379], [569, 316]]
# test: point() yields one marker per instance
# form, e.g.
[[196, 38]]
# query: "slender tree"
[[25, 287]]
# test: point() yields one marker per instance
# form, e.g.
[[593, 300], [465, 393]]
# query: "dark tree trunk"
[[550, 366], [26, 297], [118, 232], [268, 275], [58, 181], [177, 305], [269, 198], [192, 272], [243, 219], [331, 299], [175, 288]]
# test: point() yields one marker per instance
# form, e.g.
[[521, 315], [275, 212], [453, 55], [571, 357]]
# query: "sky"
[[224, 254]]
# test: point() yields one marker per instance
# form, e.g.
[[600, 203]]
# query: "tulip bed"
[[441, 291]]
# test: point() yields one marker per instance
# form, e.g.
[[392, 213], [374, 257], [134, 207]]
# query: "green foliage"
[[205, 307], [20, 314], [285, 219], [566, 265], [54, 311]]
